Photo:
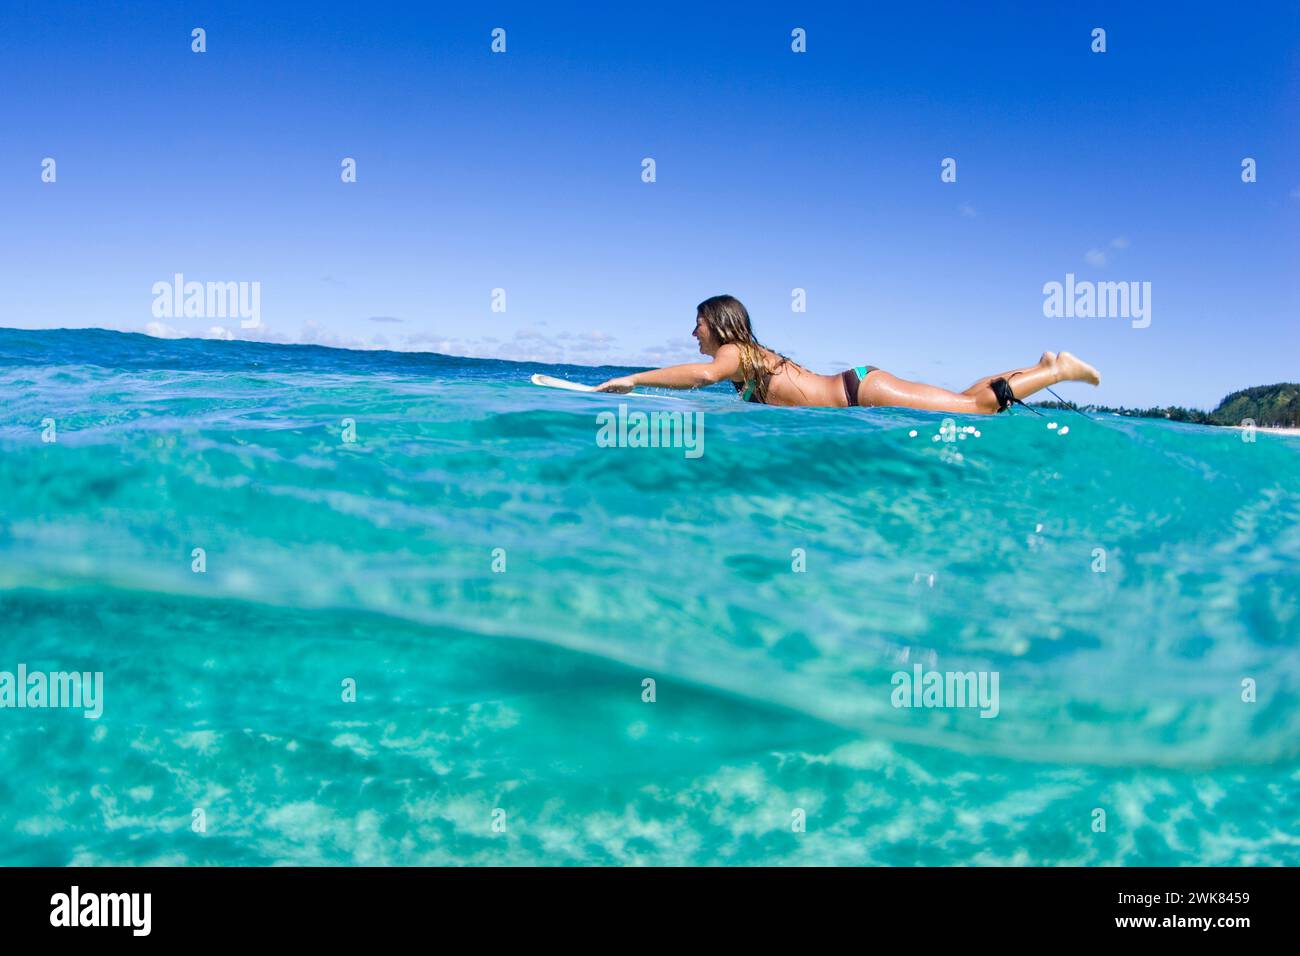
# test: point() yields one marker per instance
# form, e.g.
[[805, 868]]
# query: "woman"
[[760, 375]]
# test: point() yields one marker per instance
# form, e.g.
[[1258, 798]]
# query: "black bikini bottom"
[[852, 378]]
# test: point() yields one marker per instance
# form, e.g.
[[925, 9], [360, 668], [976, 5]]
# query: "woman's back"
[[789, 383]]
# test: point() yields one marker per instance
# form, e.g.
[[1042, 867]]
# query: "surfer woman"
[[760, 375]]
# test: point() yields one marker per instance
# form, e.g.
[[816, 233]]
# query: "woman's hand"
[[624, 384]]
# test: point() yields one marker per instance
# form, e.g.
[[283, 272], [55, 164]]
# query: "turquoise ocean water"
[[499, 717]]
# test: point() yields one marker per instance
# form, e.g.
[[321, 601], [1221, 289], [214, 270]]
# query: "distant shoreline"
[[1271, 429], [1275, 408]]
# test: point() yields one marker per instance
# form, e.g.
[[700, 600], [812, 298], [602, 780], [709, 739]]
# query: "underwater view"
[[365, 607]]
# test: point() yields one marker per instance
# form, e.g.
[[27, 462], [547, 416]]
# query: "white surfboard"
[[548, 382]]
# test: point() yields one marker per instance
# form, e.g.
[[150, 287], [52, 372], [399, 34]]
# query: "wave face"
[[771, 587]]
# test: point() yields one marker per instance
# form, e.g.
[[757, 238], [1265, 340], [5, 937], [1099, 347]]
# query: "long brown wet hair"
[[728, 319]]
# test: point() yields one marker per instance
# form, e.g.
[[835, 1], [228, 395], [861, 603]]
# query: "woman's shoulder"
[[728, 355]]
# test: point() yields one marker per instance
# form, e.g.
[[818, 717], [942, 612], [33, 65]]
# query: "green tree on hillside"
[[1269, 406]]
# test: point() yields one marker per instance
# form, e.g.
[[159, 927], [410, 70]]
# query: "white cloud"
[[967, 210], [217, 332], [161, 330], [1100, 257]]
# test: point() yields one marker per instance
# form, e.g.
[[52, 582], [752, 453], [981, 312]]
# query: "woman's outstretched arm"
[[693, 375]]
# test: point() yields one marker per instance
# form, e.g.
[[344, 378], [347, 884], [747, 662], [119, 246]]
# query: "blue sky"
[[775, 171]]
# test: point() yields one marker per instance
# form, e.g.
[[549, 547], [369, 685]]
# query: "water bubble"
[[1064, 431], [912, 433], [1051, 424]]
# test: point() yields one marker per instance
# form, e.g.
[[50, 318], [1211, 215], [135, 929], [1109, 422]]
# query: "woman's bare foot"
[[1072, 369]]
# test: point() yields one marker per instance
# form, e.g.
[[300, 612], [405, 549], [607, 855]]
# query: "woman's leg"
[[1047, 361], [881, 388]]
